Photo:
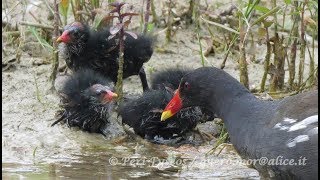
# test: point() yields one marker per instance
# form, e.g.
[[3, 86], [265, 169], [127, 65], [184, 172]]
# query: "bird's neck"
[[232, 98], [237, 109], [242, 113]]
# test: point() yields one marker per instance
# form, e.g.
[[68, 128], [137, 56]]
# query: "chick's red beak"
[[173, 106], [109, 96], [64, 37]]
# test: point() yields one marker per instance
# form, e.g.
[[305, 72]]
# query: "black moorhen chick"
[[284, 130], [169, 78], [143, 114], [87, 48], [87, 100]]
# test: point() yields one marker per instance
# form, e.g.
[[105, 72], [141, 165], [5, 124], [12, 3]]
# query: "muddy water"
[[32, 149], [131, 160]]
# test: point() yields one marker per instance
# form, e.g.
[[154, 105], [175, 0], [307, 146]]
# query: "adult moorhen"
[[284, 133], [86, 101], [143, 114], [85, 48]]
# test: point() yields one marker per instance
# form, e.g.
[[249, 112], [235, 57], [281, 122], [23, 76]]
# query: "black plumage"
[[277, 132], [86, 48], [86, 101], [169, 78], [143, 114]]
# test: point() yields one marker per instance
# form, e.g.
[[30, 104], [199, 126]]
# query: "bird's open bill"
[[110, 96], [64, 37], [173, 106]]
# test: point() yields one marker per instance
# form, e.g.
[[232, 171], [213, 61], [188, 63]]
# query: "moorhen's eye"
[[186, 85]]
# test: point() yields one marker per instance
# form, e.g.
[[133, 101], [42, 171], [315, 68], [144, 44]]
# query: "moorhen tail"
[[86, 48], [86, 101], [281, 132]]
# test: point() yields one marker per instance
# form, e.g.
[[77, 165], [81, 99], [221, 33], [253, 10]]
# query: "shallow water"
[[92, 162], [32, 149], [131, 160]]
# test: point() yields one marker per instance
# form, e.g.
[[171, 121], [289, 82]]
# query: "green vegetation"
[[281, 26]]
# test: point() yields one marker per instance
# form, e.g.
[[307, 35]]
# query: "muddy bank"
[[34, 149], [31, 148]]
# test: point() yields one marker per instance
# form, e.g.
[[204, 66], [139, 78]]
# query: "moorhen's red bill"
[[280, 131], [86, 101], [85, 48]]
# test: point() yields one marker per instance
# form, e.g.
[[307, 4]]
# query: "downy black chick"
[[86, 101], [143, 114], [86, 48]]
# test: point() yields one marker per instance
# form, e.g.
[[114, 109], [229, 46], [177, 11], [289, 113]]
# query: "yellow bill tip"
[[111, 95], [59, 40], [165, 115], [114, 95]]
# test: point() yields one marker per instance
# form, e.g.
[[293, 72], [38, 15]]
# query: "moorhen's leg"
[[143, 78]]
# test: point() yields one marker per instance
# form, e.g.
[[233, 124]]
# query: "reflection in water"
[[122, 161]]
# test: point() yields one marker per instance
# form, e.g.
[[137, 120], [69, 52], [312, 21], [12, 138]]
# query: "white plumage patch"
[[286, 124], [304, 123], [298, 139], [281, 127], [290, 121]]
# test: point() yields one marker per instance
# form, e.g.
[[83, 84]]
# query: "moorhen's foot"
[[143, 78]]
